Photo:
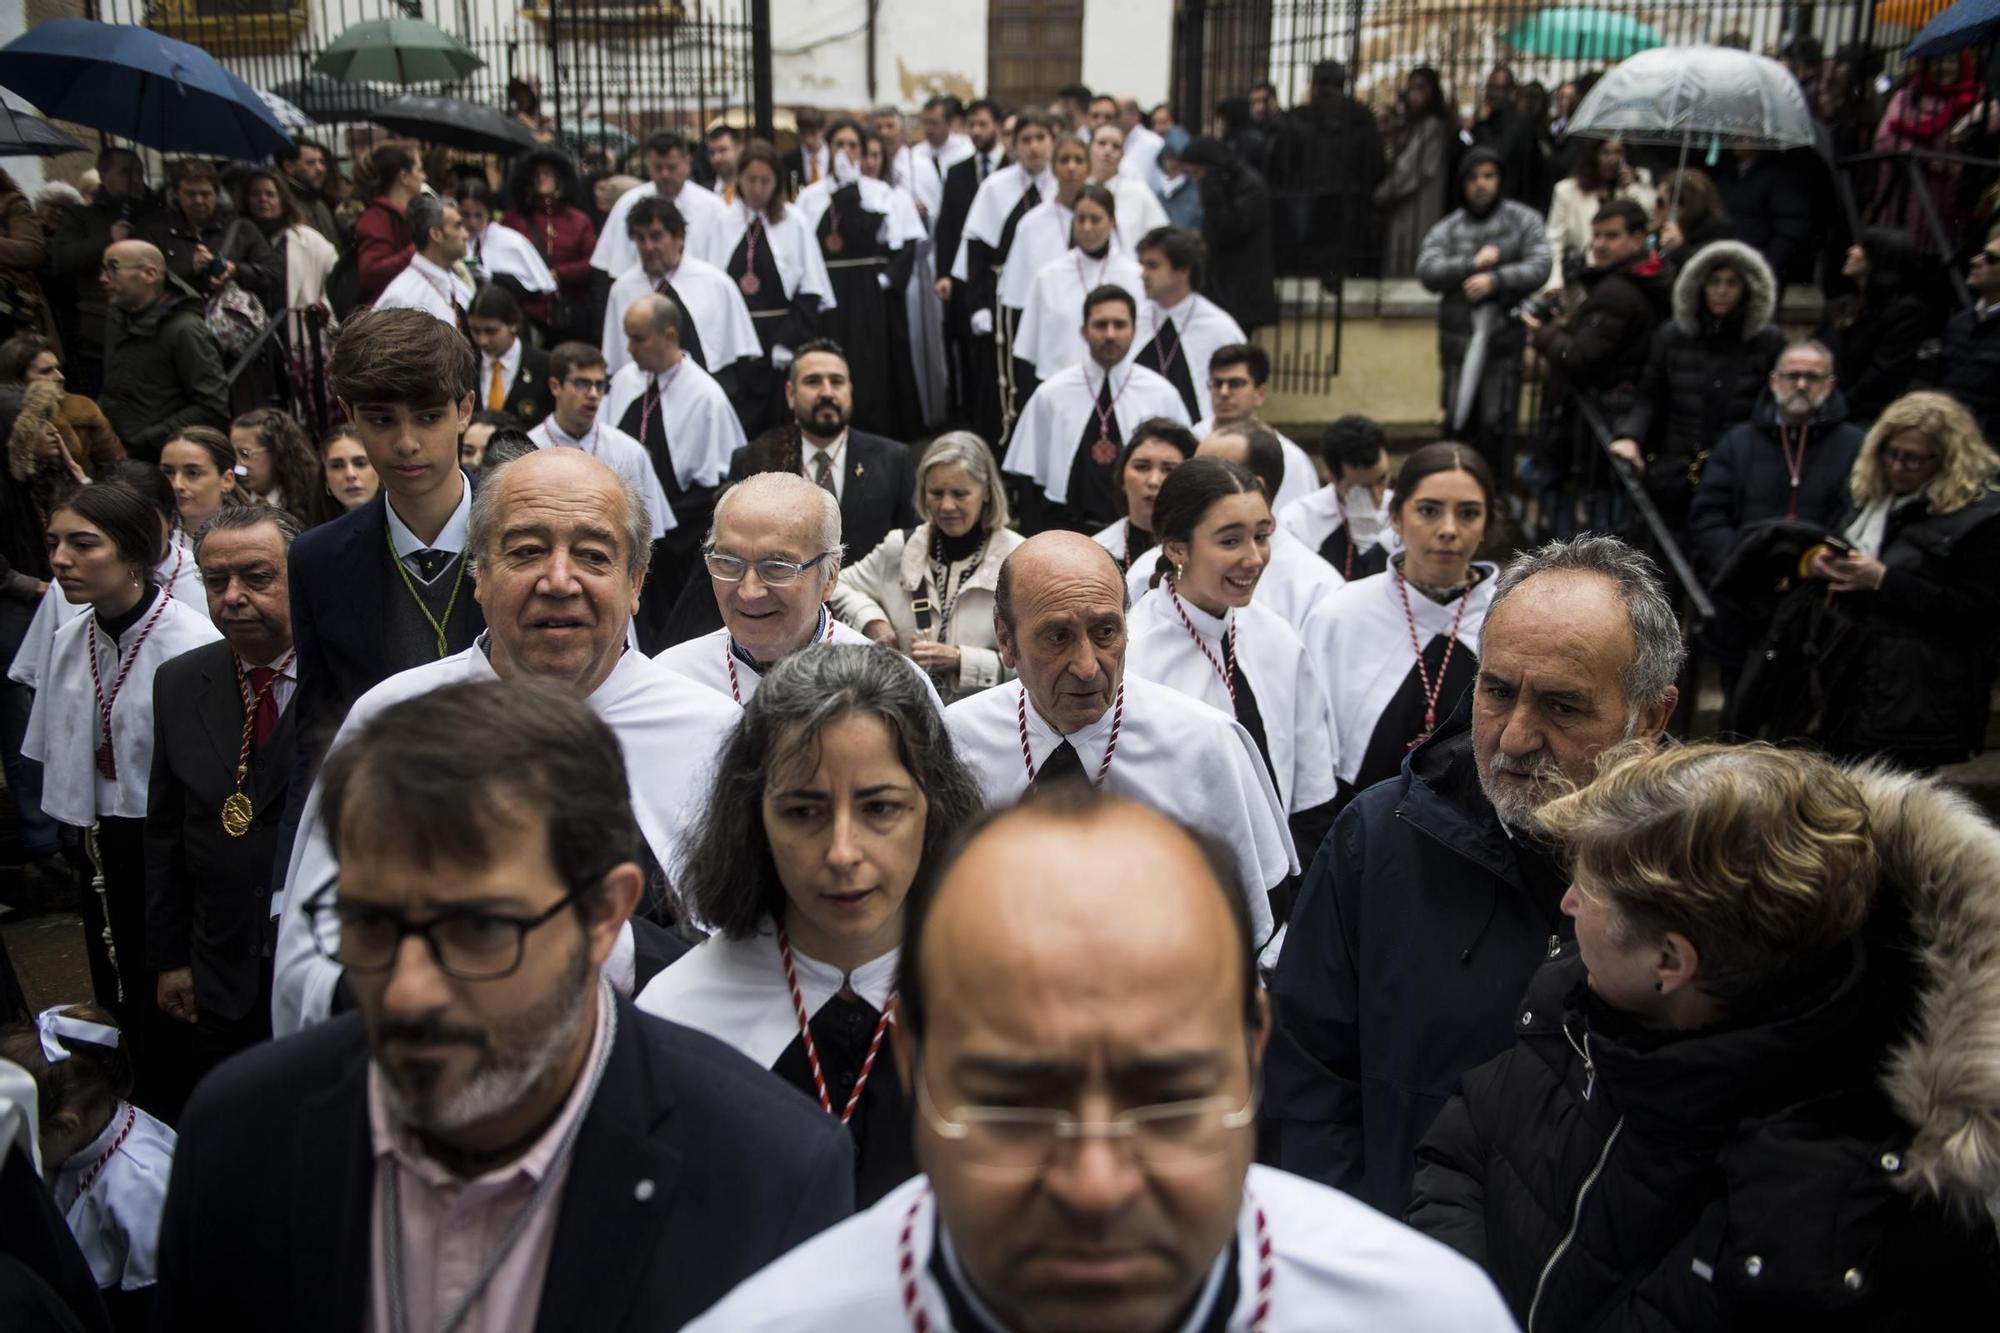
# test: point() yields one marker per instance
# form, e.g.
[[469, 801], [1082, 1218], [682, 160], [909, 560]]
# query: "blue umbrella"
[[136, 84], [1967, 23]]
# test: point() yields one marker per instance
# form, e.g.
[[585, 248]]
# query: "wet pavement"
[[48, 957]]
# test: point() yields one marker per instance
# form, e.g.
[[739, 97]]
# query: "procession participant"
[[1396, 649], [677, 411], [431, 282], [1086, 1082], [496, 1137], [867, 233], [1005, 197], [961, 184], [667, 163], [501, 256], [200, 464], [559, 543], [513, 377], [1179, 329], [716, 329], [1065, 450], [1347, 519], [1157, 447], [832, 802], [774, 259], [932, 157], [773, 555], [91, 729], [1139, 209], [577, 388], [225, 743], [1197, 631], [1048, 338], [1046, 234], [1059, 612], [928, 591], [1239, 383]]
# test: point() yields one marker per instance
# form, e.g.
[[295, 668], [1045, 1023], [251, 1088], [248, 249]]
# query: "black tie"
[[1064, 764], [690, 339], [1168, 361], [430, 563], [984, 165]]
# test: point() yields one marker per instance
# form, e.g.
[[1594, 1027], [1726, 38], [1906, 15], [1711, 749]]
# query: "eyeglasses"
[[1986, 257], [471, 946], [771, 571], [1802, 376], [1024, 1140], [1904, 459], [591, 386]]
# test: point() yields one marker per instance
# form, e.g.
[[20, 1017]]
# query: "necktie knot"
[[1063, 764], [431, 563], [260, 677]]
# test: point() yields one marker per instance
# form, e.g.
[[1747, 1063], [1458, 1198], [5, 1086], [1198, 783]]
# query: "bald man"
[[1115, 1189], [1059, 615], [773, 555], [162, 372], [559, 545]]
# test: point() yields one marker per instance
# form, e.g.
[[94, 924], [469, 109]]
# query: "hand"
[[1670, 235], [943, 289], [1478, 287], [49, 444], [176, 994], [203, 257], [939, 659], [121, 230], [1849, 573], [882, 280], [881, 631], [1629, 451], [1487, 256], [781, 356], [41, 589], [1528, 320], [228, 272], [982, 323]]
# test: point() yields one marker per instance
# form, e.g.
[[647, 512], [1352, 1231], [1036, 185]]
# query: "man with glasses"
[[578, 383], [772, 553], [497, 1140], [1971, 355], [560, 546], [162, 372], [1239, 381], [1086, 1083]]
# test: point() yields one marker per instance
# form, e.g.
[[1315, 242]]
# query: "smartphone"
[[1840, 546]]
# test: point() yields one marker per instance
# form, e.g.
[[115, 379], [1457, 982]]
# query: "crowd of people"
[[729, 789]]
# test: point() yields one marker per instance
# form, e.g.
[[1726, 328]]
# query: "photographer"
[[207, 245], [1601, 349]]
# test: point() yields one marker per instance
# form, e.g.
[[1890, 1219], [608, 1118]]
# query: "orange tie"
[[812, 167], [496, 396]]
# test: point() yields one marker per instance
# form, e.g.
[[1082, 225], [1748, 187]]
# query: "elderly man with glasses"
[[559, 545], [496, 1133], [773, 554], [1971, 354], [1085, 1076]]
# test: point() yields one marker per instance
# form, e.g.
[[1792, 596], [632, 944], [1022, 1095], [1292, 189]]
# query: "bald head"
[[783, 500], [1049, 555], [652, 327], [576, 476], [774, 516], [1248, 444], [133, 275], [1059, 613]]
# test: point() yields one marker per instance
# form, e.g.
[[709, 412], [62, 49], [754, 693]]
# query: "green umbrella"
[[1574, 33], [399, 50]]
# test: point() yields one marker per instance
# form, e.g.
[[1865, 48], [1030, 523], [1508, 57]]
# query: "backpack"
[[343, 283], [234, 316]]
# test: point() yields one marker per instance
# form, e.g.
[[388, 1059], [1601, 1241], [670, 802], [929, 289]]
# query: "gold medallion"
[[236, 814]]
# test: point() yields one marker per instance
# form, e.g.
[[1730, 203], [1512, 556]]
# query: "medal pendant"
[[107, 764], [1104, 453], [236, 814], [834, 243], [749, 283]]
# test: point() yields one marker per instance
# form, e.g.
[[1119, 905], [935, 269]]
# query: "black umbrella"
[[22, 135], [457, 124], [330, 101]]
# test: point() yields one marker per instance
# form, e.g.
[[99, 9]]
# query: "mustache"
[[428, 1032], [1537, 770]]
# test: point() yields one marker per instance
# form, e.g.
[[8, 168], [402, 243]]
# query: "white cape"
[[699, 208], [1202, 326], [670, 733], [1050, 336], [178, 576], [735, 991], [709, 299], [702, 428], [706, 661], [1045, 440], [1338, 1266], [504, 252], [117, 1223]]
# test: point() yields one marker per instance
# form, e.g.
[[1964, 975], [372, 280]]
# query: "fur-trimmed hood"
[[1942, 855], [1760, 298]]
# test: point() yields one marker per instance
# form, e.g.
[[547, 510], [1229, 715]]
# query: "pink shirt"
[[450, 1225]]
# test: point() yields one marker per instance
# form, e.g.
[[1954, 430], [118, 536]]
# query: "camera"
[[1544, 307]]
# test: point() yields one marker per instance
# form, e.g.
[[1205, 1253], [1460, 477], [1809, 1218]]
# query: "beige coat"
[[889, 578]]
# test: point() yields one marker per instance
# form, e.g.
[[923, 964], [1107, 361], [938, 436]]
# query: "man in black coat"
[[323, 1182], [1600, 350], [76, 250], [162, 368], [1326, 162], [961, 184], [1502, 128], [1971, 357], [224, 735], [1433, 900], [1236, 226]]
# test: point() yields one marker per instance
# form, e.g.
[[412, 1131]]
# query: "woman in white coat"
[[92, 725], [1197, 631], [928, 591]]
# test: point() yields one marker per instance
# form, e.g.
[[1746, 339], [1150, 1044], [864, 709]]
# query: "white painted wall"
[[26, 171], [1128, 46], [921, 47]]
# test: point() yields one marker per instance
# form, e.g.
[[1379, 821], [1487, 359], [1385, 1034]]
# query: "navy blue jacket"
[[1420, 925], [693, 1169], [1746, 480]]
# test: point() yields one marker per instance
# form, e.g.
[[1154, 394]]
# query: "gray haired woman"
[[929, 591], [833, 802]]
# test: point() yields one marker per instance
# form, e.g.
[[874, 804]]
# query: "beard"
[[513, 1058], [1519, 807]]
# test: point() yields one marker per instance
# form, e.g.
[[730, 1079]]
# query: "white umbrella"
[[287, 113]]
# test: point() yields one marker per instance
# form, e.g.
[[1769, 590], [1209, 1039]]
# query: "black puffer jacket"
[[1747, 481], [1824, 1166], [1601, 349], [1703, 375], [1971, 366]]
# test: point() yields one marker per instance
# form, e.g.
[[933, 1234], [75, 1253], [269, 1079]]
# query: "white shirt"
[[669, 731], [500, 251], [707, 661], [1050, 335], [452, 537], [700, 209], [701, 427], [117, 1224], [424, 286], [711, 301], [809, 452], [1165, 738], [177, 575], [1045, 439], [1142, 157], [735, 991], [1300, 474], [1337, 1266], [1201, 326], [622, 454]]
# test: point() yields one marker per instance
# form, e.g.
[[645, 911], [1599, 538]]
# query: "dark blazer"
[[879, 494], [208, 895], [528, 397], [693, 1169]]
